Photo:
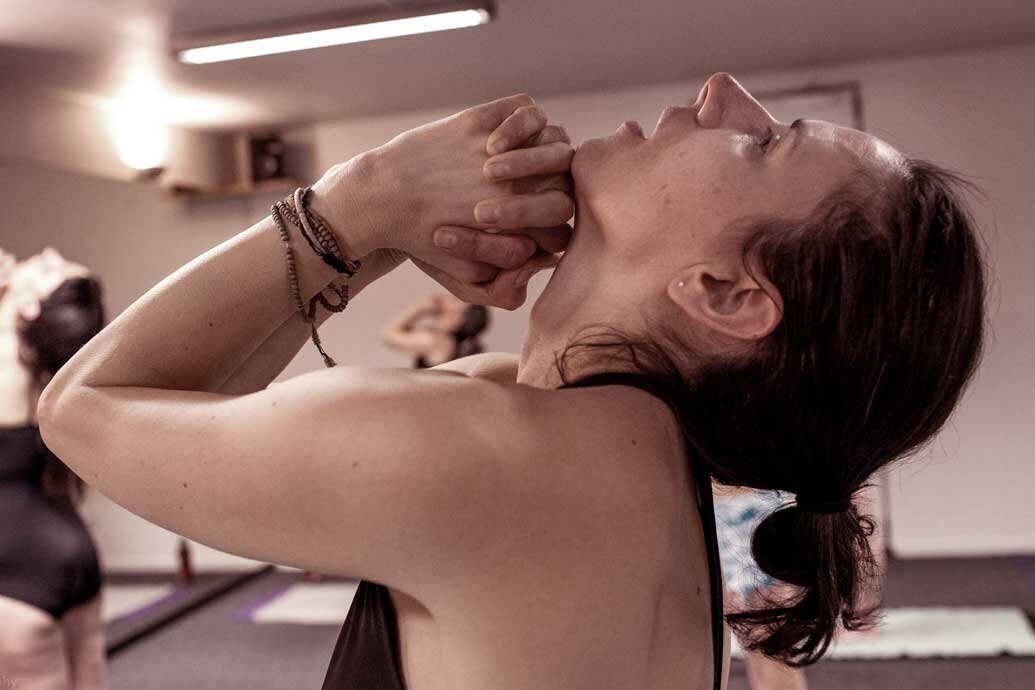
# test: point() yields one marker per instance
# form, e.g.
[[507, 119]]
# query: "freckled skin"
[[669, 202]]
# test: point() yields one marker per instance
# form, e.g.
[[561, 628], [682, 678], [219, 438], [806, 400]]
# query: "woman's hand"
[[532, 169], [433, 176]]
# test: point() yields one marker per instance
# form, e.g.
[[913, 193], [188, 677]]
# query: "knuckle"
[[513, 214], [473, 120], [487, 120], [538, 116], [562, 205], [466, 242], [482, 273], [553, 134], [561, 151], [513, 253]]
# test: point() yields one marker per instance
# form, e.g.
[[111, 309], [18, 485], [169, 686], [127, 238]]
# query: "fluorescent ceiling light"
[[331, 32]]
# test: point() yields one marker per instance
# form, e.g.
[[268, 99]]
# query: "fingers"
[[508, 290], [519, 127], [551, 134], [553, 240], [503, 251], [542, 210], [537, 160], [464, 270], [487, 294], [488, 116]]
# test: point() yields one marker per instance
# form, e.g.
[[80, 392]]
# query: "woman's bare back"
[[626, 607]]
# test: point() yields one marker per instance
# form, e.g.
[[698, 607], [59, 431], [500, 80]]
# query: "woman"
[[773, 302], [438, 329], [50, 602]]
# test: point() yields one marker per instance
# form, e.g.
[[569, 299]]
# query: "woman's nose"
[[729, 105]]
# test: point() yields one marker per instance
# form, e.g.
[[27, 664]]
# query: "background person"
[[51, 635], [439, 329]]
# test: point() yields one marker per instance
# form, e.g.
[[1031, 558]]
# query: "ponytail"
[[827, 558]]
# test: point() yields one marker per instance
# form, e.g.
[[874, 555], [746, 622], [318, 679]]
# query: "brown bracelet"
[[321, 239], [317, 233]]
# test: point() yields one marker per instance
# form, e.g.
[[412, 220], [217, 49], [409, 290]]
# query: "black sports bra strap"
[[705, 505]]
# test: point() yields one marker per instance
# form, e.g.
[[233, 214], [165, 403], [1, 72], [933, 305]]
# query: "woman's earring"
[[681, 283]]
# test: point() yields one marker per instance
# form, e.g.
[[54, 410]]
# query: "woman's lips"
[[634, 126], [666, 114]]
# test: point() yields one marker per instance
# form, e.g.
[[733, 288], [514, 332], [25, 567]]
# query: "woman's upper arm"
[[384, 474], [413, 341]]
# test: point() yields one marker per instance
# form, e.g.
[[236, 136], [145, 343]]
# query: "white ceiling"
[[84, 47]]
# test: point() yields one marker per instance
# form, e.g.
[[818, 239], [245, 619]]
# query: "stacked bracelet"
[[322, 241]]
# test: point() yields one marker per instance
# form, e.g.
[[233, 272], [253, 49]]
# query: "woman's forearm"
[[277, 351], [210, 316], [408, 318]]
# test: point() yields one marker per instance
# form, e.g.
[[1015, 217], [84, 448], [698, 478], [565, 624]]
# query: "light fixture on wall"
[[134, 115], [371, 24]]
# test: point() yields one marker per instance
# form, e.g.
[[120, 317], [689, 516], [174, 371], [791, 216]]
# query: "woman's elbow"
[[45, 408], [54, 416]]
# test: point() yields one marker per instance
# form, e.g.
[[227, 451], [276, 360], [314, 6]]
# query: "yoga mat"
[[305, 604], [937, 632]]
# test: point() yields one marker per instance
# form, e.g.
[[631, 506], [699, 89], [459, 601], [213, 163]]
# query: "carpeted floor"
[[213, 648]]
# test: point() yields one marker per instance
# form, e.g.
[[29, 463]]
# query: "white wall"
[[968, 111]]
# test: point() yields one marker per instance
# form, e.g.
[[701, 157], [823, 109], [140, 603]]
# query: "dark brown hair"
[[71, 315], [476, 320], [883, 288]]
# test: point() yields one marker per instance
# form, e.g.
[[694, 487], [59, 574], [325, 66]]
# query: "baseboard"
[[955, 545]]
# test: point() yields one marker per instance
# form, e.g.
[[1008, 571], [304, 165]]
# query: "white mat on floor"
[[910, 632], [309, 604], [119, 600], [914, 632]]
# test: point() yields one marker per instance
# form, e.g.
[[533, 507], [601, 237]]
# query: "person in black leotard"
[[50, 578], [435, 324], [805, 302]]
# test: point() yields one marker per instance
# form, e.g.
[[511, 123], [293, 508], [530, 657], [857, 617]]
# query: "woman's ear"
[[730, 302]]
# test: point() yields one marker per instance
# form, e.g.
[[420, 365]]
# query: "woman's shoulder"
[[501, 367], [593, 421]]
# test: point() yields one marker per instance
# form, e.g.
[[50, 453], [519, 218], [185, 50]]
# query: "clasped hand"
[[437, 180]]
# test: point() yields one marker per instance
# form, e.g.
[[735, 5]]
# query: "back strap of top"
[[705, 505], [366, 654]]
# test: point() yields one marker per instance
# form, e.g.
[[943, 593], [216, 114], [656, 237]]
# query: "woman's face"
[[707, 165]]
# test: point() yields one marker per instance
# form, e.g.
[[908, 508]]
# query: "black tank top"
[[47, 558], [366, 655], [422, 363]]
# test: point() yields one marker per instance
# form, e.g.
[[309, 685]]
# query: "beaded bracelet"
[[322, 241]]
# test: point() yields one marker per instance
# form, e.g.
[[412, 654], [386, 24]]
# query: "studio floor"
[[218, 644]]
